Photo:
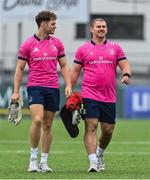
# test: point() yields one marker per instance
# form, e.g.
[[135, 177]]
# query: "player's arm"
[[17, 79], [75, 72], [126, 71], [66, 75]]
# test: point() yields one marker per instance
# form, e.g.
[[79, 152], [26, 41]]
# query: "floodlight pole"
[[88, 14], [19, 29]]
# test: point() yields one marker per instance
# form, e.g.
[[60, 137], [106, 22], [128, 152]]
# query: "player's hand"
[[125, 80], [15, 97], [68, 91]]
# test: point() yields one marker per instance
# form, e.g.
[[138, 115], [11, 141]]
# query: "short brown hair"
[[44, 16], [92, 22]]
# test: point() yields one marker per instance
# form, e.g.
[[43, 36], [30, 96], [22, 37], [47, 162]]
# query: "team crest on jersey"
[[54, 48], [111, 52]]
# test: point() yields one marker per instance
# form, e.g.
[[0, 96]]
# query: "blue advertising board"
[[137, 102]]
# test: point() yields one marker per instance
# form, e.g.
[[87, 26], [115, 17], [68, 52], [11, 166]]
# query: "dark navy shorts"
[[104, 112], [48, 97]]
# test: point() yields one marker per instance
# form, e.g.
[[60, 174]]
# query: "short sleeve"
[[23, 52], [78, 56], [61, 49], [120, 53]]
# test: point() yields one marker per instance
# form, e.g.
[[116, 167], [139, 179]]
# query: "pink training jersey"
[[42, 57], [99, 63]]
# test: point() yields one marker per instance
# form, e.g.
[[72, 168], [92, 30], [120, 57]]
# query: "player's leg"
[[52, 99], [90, 140], [37, 119], [47, 134], [46, 140], [106, 134], [35, 132], [36, 102], [104, 139], [107, 124]]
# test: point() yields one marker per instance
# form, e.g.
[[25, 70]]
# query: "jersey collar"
[[35, 36], [95, 43]]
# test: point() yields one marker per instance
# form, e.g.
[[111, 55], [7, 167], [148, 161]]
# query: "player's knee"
[[108, 131], [90, 130], [91, 126], [37, 122], [46, 125]]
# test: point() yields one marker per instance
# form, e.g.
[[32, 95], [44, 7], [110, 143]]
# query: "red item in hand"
[[74, 101]]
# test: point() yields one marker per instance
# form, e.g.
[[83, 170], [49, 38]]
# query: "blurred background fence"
[[128, 23]]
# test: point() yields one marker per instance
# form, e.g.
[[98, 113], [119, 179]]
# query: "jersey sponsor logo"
[[44, 58], [101, 61]]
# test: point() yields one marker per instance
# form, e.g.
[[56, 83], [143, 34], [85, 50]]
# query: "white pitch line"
[[112, 142], [131, 142], [13, 142], [74, 152], [78, 142]]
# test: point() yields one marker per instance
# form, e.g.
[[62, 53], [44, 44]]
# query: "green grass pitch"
[[127, 156]]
